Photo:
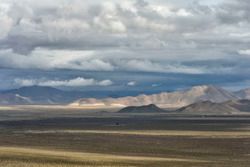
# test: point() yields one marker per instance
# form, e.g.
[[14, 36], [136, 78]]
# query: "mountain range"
[[48, 96], [177, 99]]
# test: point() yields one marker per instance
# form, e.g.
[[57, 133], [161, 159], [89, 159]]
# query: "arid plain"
[[67, 137]]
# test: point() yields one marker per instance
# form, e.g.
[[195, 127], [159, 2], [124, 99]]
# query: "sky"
[[132, 45]]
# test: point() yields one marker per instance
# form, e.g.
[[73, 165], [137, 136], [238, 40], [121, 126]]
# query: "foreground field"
[[28, 157], [108, 140]]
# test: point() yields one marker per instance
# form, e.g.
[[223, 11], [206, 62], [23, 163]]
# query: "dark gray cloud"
[[234, 12]]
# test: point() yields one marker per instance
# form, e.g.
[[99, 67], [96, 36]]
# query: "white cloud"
[[76, 82], [113, 60], [164, 11], [110, 24], [105, 83], [183, 13], [6, 22], [151, 66], [25, 82], [131, 83], [46, 59], [244, 52]]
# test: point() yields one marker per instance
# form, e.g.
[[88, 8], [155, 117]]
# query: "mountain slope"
[[241, 105], [142, 109], [10, 99], [167, 100], [38, 95], [209, 108], [243, 94]]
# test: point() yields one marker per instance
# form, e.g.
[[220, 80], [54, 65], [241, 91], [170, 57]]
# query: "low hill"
[[142, 109]]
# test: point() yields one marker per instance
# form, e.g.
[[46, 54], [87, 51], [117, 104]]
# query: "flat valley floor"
[[76, 138]]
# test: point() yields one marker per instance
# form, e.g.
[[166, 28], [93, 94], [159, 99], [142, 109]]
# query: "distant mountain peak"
[[207, 88]]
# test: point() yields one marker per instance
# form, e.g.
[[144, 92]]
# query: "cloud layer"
[[185, 37], [76, 82]]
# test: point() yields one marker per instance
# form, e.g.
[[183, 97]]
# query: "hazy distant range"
[[177, 99]]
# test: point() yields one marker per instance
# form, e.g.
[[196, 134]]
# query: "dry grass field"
[[40, 157], [117, 140]]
